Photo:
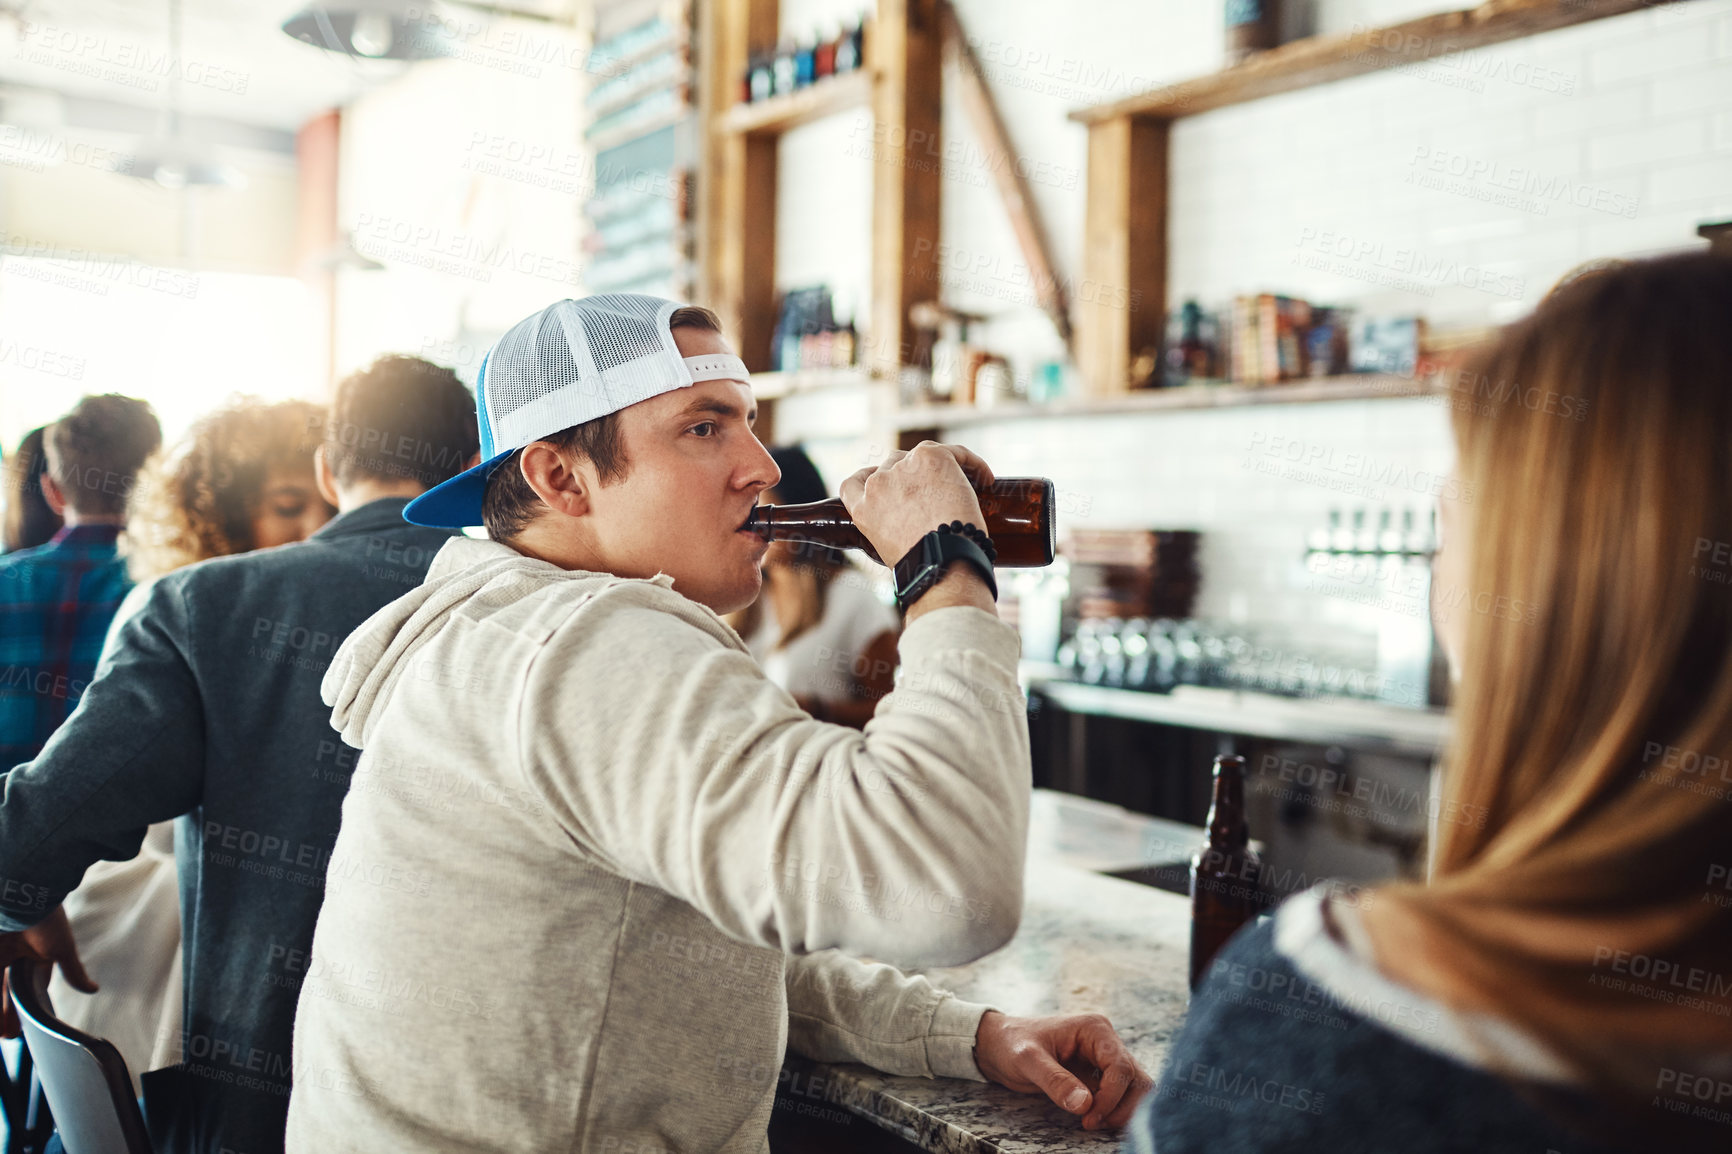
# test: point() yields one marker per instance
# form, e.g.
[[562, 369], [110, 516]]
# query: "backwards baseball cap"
[[572, 362]]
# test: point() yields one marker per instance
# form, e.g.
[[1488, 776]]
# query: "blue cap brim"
[[454, 504]]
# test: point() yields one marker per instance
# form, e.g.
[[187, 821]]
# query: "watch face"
[[922, 577]]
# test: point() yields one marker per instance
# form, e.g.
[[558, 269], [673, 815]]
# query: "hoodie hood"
[[374, 658]]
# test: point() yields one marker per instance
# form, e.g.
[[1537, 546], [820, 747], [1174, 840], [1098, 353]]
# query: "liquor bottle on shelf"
[[1226, 875], [824, 58], [785, 68], [1252, 26], [1018, 510]]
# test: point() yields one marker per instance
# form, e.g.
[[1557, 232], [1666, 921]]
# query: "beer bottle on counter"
[[1226, 874], [1019, 519]]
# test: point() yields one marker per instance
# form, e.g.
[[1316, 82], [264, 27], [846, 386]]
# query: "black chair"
[[84, 1077], [28, 1120]]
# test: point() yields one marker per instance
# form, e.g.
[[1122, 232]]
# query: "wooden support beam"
[[1001, 157], [1322, 59], [1121, 301], [738, 223], [903, 49]]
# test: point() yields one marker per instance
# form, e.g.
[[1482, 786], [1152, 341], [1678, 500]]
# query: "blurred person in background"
[[1564, 980], [56, 600], [818, 628], [241, 478], [30, 521], [207, 708]]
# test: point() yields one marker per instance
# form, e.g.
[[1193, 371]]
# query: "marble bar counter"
[[1087, 943]]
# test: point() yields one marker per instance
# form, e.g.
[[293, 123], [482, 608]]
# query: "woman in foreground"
[[1564, 981]]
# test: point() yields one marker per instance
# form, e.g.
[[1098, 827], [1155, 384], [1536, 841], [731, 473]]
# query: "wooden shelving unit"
[[780, 113], [1125, 232], [899, 82], [1357, 387]]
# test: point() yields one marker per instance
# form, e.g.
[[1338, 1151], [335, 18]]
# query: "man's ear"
[[325, 477], [562, 484], [52, 494]]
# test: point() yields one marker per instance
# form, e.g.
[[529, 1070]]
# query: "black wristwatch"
[[922, 567]]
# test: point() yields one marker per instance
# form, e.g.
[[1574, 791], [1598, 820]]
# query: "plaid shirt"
[[56, 602]]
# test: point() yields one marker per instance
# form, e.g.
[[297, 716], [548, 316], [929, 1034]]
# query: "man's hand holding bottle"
[[913, 492]]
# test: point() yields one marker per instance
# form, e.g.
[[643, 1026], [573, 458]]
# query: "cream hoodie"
[[596, 870]]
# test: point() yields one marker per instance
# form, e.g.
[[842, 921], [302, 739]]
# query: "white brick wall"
[[1616, 135]]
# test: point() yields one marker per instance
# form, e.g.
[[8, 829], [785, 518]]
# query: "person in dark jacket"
[[208, 710]]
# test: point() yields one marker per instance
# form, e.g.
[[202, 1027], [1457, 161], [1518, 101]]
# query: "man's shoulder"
[[603, 608]]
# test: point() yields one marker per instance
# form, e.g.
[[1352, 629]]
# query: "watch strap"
[[924, 566]]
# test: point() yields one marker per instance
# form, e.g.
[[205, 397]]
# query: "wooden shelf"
[[1323, 59], [1356, 387], [1125, 226], [771, 386], [822, 98]]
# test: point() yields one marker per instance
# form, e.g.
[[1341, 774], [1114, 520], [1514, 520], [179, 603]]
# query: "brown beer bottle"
[[1226, 875], [1019, 519]]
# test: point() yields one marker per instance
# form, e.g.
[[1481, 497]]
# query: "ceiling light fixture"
[[371, 29]]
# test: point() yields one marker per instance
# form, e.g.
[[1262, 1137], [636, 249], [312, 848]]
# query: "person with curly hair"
[[240, 479]]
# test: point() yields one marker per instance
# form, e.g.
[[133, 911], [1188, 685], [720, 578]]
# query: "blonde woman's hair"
[[1574, 887], [197, 499]]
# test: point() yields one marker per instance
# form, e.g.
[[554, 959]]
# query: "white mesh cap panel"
[[578, 360], [626, 327]]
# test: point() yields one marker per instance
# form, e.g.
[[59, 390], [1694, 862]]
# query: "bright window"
[[185, 341]]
